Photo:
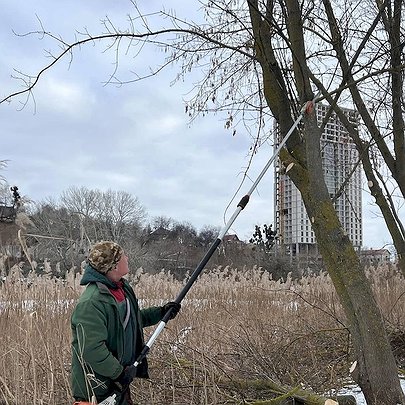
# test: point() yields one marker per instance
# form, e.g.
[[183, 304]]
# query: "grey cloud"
[[135, 138]]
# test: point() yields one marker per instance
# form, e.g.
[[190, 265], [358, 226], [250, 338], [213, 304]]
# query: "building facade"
[[375, 257], [342, 173]]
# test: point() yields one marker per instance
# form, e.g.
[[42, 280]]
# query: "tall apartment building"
[[339, 157]]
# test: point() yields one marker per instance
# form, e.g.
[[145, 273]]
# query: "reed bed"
[[237, 330]]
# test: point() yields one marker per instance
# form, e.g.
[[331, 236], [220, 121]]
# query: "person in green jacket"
[[107, 328]]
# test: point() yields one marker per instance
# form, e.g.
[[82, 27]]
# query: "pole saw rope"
[[307, 108]]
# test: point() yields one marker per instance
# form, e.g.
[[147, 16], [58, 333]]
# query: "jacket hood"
[[93, 276]]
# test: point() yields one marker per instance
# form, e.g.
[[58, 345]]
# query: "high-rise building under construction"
[[342, 172]]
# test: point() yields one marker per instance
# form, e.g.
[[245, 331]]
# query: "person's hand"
[[126, 377], [173, 306]]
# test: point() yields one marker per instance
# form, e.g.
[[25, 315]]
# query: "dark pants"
[[124, 398]]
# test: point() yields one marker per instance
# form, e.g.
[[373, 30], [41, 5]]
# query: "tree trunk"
[[378, 375], [394, 161], [285, 395]]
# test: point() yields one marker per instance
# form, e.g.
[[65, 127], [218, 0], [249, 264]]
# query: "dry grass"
[[234, 326]]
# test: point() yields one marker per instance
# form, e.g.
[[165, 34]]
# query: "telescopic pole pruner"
[[308, 106]]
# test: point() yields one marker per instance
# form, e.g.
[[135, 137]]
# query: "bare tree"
[[81, 200], [118, 209], [65, 229], [104, 214], [54, 234], [162, 222], [265, 59], [303, 155], [207, 235], [373, 72], [82, 203]]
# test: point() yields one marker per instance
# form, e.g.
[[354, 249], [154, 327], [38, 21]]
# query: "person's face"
[[120, 270], [122, 266]]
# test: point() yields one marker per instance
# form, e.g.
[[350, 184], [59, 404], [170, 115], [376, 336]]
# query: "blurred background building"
[[342, 173]]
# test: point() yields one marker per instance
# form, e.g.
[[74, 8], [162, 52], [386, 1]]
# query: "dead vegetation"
[[239, 336]]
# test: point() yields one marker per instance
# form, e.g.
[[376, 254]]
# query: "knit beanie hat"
[[104, 256]]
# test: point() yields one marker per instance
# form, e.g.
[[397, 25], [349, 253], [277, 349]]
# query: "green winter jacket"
[[98, 342]]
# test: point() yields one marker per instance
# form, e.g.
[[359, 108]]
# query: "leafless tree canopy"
[[353, 54], [262, 60]]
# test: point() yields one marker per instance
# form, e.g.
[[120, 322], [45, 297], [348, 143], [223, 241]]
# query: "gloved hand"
[[174, 306], [126, 377]]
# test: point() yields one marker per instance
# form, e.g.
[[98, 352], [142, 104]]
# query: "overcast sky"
[[135, 138]]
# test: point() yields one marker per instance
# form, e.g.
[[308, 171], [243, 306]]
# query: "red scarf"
[[118, 292]]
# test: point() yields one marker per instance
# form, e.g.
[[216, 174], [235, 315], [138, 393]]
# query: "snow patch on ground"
[[358, 394]]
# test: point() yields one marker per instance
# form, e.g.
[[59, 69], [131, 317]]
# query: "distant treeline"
[[63, 231]]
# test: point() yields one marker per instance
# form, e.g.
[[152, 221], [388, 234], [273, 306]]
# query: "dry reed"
[[234, 326]]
